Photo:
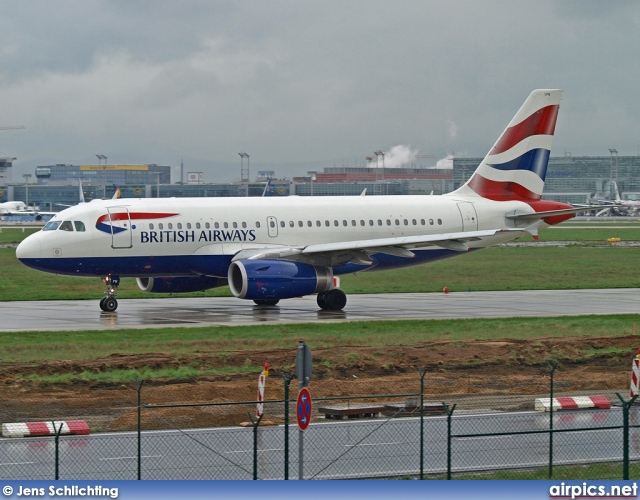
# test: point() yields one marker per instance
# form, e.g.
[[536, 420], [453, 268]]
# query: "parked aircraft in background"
[[272, 248], [618, 206], [11, 207]]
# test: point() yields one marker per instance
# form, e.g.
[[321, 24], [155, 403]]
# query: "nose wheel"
[[109, 303]]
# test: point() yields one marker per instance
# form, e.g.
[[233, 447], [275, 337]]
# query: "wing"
[[360, 251]]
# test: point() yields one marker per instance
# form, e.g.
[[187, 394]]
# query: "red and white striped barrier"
[[635, 375], [261, 382], [25, 429], [574, 403]]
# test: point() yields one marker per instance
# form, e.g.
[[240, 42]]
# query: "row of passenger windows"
[[327, 223]]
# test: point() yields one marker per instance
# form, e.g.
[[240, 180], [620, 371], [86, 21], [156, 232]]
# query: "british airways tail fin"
[[516, 166]]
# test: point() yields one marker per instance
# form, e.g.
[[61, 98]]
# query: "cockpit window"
[[51, 226], [79, 225], [66, 226]]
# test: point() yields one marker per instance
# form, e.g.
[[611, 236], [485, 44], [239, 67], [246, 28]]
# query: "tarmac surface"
[[196, 312]]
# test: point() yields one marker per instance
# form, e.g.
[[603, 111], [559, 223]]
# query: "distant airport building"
[[570, 179], [121, 175], [195, 177], [6, 165], [575, 179]]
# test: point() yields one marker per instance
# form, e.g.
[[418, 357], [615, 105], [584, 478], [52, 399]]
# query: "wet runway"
[[152, 313]]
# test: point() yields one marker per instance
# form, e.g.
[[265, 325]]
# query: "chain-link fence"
[[374, 436]]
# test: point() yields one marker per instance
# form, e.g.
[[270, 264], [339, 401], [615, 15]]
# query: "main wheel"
[[102, 302], [333, 300], [266, 302], [110, 304]]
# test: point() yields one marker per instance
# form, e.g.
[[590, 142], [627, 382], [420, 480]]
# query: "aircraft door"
[[120, 222], [272, 226], [469, 216]]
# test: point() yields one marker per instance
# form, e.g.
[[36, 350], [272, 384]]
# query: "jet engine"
[[277, 279], [179, 284]]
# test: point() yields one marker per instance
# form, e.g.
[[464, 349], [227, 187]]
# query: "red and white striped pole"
[[261, 382], [635, 375]]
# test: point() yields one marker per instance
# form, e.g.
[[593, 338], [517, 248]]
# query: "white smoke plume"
[[395, 157], [446, 162]]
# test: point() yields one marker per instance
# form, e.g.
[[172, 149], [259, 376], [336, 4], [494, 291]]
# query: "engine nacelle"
[[277, 279], [179, 284]]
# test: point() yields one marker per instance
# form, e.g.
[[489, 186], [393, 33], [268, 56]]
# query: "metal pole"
[[287, 381], [139, 389], [57, 446], [449, 414], [422, 374], [625, 434], [552, 369], [300, 431], [255, 444]]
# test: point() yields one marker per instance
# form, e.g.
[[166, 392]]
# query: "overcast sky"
[[302, 84]]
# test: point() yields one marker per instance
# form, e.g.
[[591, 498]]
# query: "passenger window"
[[272, 223], [169, 226], [300, 223], [160, 226], [362, 222], [397, 222], [379, 222], [431, 222], [216, 225], [336, 223], [318, 223], [414, 222], [51, 226], [388, 222], [235, 225], [439, 222], [66, 226], [179, 225], [188, 225], [197, 225], [422, 222], [151, 225], [345, 223], [327, 223], [406, 222], [257, 224], [309, 223], [353, 222], [226, 225], [79, 226], [292, 224], [208, 226], [282, 224], [244, 225], [370, 222]]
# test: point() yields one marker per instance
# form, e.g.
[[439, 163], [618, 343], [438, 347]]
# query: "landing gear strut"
[[333, 300], [109, 303]]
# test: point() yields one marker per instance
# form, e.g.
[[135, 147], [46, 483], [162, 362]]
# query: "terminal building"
[[570, 179]]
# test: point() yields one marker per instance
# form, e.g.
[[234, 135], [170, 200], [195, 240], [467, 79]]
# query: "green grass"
[[11, 234], [591, 472], [497, 268], [35, 347]]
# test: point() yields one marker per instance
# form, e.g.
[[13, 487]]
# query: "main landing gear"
[[109, 303], [266, 302], [333, 300]]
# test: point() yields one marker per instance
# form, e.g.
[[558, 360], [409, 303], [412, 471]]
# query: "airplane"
[[272, 248], [618, 206], [21, 208]]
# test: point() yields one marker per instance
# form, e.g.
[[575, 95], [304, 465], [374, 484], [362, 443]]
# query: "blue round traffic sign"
[[303, 408]]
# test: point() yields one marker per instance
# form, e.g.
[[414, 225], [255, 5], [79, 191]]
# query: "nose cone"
[[29, 249]]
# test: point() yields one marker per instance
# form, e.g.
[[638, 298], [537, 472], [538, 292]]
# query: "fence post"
[[449, 414], [255, 443], [287, 381], [139, 389], [552, 369], [57, 432], [422, 373], [625, 434]]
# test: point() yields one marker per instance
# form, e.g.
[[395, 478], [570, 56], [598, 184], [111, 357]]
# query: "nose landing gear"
[[109, 303]]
